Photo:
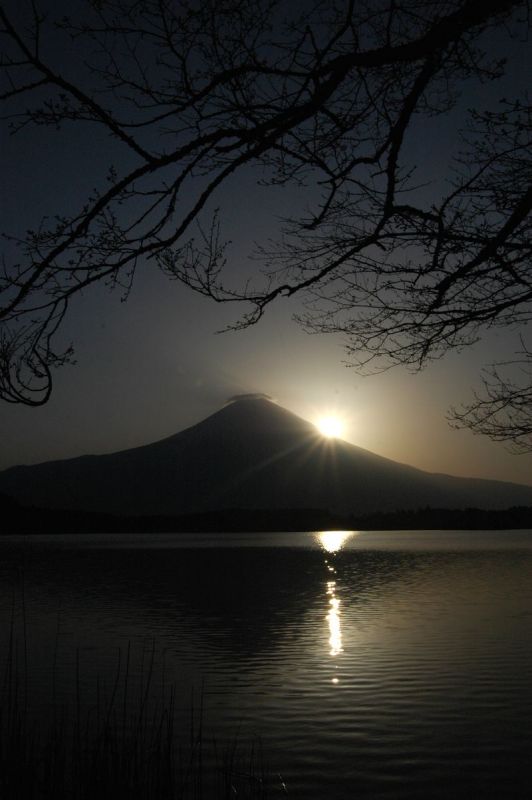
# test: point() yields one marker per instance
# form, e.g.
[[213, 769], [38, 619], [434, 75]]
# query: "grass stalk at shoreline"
[[125, 743]]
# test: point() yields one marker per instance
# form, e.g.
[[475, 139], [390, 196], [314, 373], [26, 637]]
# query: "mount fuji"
[[251, 454]]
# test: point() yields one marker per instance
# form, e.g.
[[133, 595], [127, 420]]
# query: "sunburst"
[[330, 426]]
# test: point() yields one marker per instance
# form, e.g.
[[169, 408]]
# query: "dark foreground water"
[[371, 665]]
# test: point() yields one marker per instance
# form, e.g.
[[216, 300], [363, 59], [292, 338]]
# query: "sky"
[[154, 365]]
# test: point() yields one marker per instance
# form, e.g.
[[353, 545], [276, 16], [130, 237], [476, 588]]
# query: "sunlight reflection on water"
[[371, 664], [333, 619], [332, 542]]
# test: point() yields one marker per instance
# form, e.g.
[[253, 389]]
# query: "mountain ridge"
[[251, 453]]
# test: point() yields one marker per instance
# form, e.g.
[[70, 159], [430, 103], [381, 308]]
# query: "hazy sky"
[[155, 365]]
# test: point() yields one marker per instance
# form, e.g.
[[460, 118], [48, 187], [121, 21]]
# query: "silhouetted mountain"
[[252, 454]]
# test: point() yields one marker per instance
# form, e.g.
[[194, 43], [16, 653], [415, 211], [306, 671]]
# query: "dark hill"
[[251, 454]]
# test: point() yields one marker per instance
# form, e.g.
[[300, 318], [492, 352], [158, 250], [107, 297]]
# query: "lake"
[[368, 664]]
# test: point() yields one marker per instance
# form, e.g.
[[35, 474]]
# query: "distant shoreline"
[[22, 519]]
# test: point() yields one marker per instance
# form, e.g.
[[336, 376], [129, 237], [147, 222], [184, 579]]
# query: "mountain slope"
[[250, 454]]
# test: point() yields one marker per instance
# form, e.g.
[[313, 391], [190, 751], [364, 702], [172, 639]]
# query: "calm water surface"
[[371, 665]]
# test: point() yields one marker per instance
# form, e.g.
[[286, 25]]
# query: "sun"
[[331, 427]]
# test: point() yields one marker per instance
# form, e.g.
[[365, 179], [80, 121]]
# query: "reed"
[[123, 742]]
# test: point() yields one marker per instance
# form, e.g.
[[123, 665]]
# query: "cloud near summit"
[[250, 396]]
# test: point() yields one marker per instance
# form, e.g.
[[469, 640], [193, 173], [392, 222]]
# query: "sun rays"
[[331, 426]]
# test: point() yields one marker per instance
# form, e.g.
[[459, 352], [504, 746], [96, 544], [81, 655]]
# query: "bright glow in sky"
[[331, 426]]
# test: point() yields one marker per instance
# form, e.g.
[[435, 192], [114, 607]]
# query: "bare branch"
[[503, 410], [328, 96]]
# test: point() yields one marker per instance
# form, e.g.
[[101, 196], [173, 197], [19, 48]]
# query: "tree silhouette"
[[325, 96]]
